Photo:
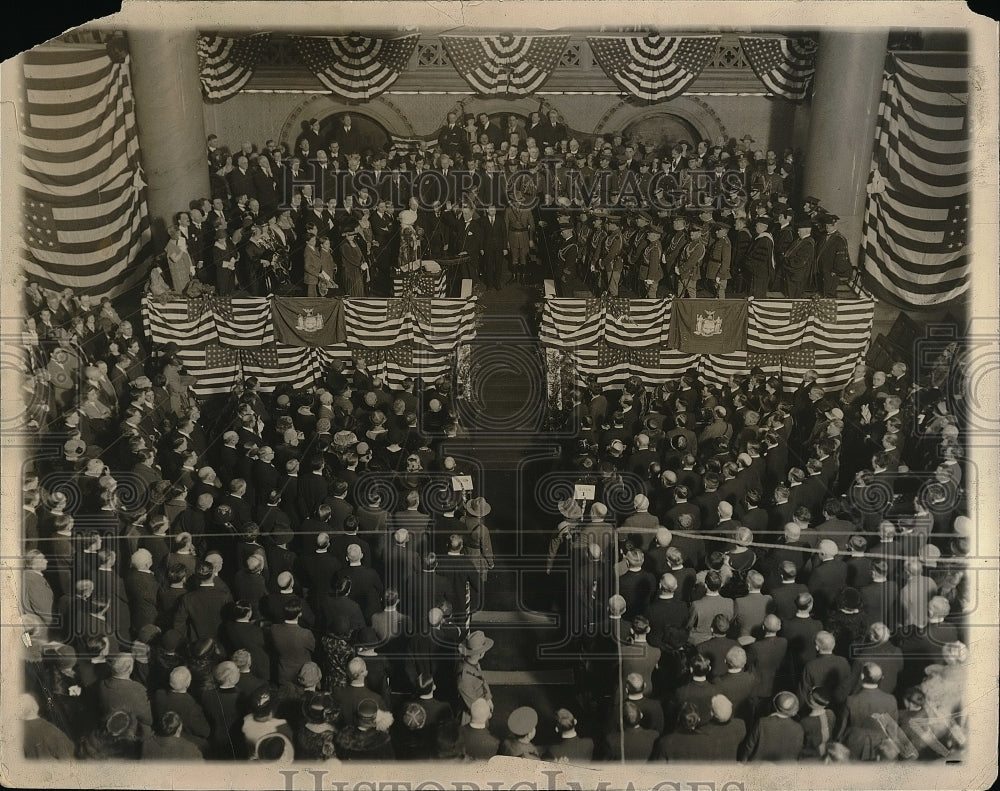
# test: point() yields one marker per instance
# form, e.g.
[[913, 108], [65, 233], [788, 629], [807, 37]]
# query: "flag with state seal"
[[708, 326]]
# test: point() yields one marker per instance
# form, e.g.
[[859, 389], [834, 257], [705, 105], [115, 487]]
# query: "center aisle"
[[504, 416]]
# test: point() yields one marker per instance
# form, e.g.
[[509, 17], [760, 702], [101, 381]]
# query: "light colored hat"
[[478, 507], [570, 508], [474, 643]]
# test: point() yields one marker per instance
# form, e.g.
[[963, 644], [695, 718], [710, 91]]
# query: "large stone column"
[[171, 122], [843, 113]]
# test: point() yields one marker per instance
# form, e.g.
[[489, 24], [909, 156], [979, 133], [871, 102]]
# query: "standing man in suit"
[[469, 239], [832, 259], [494, 247], [241, 180], [777, 737], [799, 258], [347, 136]]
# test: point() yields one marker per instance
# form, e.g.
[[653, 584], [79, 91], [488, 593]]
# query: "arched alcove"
[[685, 113], [381, 111]]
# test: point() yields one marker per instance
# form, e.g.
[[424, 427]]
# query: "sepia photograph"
[[487, 395]]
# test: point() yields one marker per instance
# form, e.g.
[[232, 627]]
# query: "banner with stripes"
[[247, 324], [505, 65], [832, 335], [570, 323], [405, 145], [226, 64], [653, 68], [914, 240], [423, 284], [84, 215], [397, 338], [785, 65], [356, 67]]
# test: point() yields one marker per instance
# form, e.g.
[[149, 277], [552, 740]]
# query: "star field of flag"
[[505, 65], [785, 65], [654, 68], [354, 66]]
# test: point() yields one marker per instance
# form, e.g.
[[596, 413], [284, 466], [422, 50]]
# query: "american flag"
[[916, 221], [85, 222], [206, 341], [653, 68], [356, 67], [785, 65], [246, 324], [422, 283], [226, 64], [831, 344], [506, 65], [404, 145]]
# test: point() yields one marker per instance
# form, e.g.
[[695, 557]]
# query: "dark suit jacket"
[[317, 571], [826, 581], [832, 674], [196, 727], [199, 612], [765, 658], [126, 694], [667, 621], [366, 588], [292, 646], [773, 738], [801, 636]]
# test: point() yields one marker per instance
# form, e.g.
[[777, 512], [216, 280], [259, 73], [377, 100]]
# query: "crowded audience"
[[770, 564]]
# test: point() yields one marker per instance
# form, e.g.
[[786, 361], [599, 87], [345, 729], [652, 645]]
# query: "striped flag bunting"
[[785, 65], [297, 366], [409, 305], [84, 215], [653, 68], [568, 323], [717, 369], [356, 67], [505, 65], [168, 322], [784, 337], [226, 64], [369, 323], [914, 240], [394, 348], [246, 322], [775, 326]]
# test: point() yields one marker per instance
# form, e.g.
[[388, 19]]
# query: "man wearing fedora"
[[472, 684]]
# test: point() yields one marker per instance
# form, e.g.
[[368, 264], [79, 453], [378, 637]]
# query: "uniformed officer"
[[651, 261], [472, 684], [521, 723], [611, 257], [567, 251], [690, 263], [596, 247], [800, 258], [718, 268], [674, 247]]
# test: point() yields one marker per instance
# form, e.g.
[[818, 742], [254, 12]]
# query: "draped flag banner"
[[356, 67], [308, 321], [396, 338], [785, 65], [654, 68], [709, 326], [86, 225], [505, 65], [914, 240], [226, 64], [405, 145], [592, 339]]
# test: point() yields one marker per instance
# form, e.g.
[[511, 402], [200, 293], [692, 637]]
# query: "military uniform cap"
[[522, 720]]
